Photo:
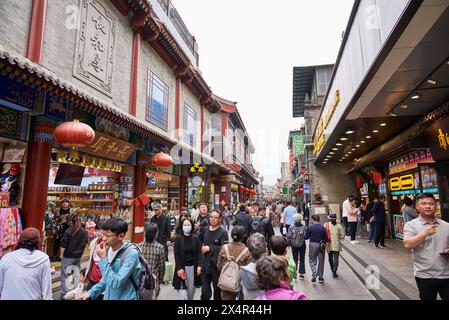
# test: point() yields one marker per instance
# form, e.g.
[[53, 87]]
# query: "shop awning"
[[22, 68]]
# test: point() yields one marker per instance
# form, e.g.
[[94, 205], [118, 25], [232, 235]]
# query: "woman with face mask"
[[187, 250]]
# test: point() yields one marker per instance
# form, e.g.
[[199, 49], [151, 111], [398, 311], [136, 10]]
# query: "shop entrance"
[[95, 189]]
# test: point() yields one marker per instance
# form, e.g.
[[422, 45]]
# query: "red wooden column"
[[137, 22], [37, 172], [140, 180], [134, 74], [36, 30], [178, 109], [202, 128]]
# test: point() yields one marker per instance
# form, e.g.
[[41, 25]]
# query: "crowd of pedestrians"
[[255, 264]]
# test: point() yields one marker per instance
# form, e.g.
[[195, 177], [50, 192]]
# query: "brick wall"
[[59, 51], [14, 24]]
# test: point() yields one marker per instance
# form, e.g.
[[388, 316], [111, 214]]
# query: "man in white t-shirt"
[[346, 210]]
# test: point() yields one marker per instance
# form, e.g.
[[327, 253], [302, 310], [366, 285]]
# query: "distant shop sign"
[[437, 136], [319, 140]]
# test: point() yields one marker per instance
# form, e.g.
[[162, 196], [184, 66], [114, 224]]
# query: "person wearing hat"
[[335, 234], [25, 273], [163, 226]]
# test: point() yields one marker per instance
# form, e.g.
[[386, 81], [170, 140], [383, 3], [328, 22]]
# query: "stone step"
[[388, 278], [373, 285]]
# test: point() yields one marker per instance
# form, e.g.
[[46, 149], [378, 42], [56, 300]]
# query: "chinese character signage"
[[410, 161], [437, 137], [95, 45], [319, 139], [197, 168], [297, 144], [109, 147]]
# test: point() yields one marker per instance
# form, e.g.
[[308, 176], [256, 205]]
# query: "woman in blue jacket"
[[120, 265]]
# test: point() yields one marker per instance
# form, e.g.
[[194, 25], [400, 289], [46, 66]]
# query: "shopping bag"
[[368, 227], [168, 277]]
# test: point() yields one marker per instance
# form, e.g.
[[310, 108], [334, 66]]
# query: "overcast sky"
[[248, 49]]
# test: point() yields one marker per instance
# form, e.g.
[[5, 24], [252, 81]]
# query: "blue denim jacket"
[[115, 282]]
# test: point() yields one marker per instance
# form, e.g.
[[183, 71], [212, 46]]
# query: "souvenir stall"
[[12, 178]]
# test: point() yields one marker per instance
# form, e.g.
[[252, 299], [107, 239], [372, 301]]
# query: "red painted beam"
[[36, 31], [178, 109], [134, 75], [202, 128], [224, 125], [121, 6]]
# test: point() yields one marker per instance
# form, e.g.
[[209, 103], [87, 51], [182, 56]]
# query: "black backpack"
[[147, 281], [257, 226]]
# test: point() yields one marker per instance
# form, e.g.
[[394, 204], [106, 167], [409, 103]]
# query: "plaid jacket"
[[154, 254]]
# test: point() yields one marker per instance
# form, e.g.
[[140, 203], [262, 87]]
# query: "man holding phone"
[[428, 238]]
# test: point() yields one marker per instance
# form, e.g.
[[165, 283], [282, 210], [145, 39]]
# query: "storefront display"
[[163, 187], [97, 189], [12, 178]]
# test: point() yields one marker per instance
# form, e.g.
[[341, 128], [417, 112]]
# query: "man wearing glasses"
[[428, 237], [120, 266]]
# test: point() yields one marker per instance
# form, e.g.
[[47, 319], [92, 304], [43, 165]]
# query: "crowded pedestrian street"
[[200, 153]]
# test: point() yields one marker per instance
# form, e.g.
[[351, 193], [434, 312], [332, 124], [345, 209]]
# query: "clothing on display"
[[10, 229]]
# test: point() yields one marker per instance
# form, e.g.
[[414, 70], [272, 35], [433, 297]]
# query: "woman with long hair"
[[187, 249]]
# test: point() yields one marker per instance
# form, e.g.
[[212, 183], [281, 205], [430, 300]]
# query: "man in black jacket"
[[245, 220], [214, 238], [380, 219], [72, 247], [163, 226]]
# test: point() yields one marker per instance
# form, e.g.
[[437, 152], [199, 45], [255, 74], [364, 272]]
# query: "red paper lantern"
[[359, 182], [246, 190], [377, 178], [161, 160], [74, 134]]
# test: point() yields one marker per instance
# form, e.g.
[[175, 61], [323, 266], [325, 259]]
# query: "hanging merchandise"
[[10, 229]]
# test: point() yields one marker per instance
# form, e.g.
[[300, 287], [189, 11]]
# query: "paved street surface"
[[394, 264], [350, 285]]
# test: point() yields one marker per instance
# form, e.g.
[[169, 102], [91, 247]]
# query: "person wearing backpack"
[[214, 238], [244, 219], [335, 234], [295, 237], [154, 254], [187, 250], [232, 256], [120, 265]]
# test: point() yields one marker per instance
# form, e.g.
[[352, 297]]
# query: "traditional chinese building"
[[129, 70]]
